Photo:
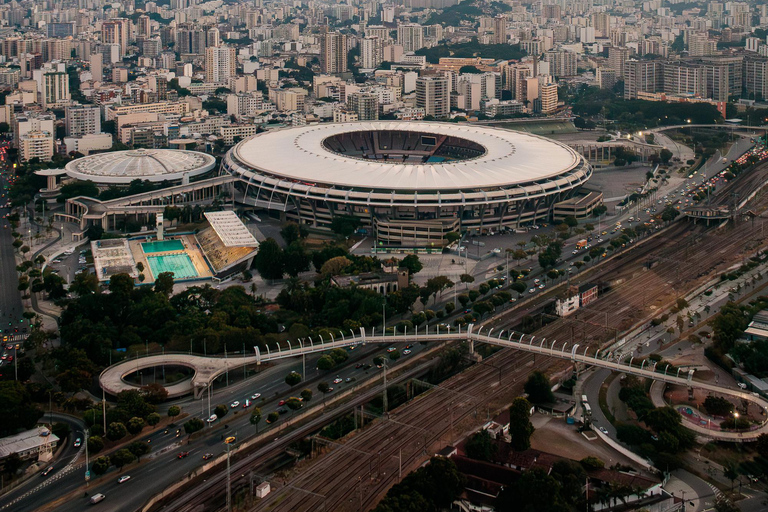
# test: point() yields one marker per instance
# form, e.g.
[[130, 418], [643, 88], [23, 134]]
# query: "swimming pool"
[[162, 246], [179, 264]]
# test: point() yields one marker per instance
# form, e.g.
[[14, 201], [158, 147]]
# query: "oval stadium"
[[408, 183]]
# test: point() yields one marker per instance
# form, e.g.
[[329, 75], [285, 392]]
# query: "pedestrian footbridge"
[[207, 368]]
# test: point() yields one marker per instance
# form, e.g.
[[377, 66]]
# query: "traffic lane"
[[592, 390]]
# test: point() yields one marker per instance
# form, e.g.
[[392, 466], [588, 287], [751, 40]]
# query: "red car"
[[281, 402], [183, 454]]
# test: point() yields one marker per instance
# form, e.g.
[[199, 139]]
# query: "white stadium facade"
[[408, 183]]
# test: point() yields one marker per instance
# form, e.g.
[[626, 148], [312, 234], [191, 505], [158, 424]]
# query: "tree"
[[325, 363], [269, 260], [451, 237], [520, 427], [164, 283], [335, 266], [135, 425], [665, 155], [466, 279], [272, 417], [539, 388], [345, 225], [591, 463], [220, 410], [730, 472], [174, 411], [293, 378], [153, 419], [394, 355], [480, 446], [84, 283], [100, 466], [121, 458], [193, 425], [718, 406], [306, 395], [294, 403], [534, 491], [154, 393], [412, 264], [295, 259], [16, 408], [116, 431], [255, 418], [95, 444], [323, 387], [293, 232], [137, 448]]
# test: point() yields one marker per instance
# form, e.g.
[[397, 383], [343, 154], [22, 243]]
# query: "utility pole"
[[87, 467], [104, 410], [229, 479], [385, 387]]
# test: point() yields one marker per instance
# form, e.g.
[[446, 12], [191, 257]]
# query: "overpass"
[[207, 369]]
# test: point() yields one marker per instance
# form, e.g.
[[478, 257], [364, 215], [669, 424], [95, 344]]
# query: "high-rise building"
[[552, 11], [144, 26], [516, 76], [97, 65], [410, 36], [433, 95], [683, 78], [700, 45], [365, 105], [756, 78], [36, 144], [617, 56], [220, 64], [212, 37], [333, 55], [642, 76], [61, 29], [548, 97], [116, 31], [190, 39], [371, 52], [500, 29], [561, 63], [602, 23], [53, 87], [82, 120]]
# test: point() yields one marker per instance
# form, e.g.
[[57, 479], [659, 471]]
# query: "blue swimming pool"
[[179, 264], [162, 246]]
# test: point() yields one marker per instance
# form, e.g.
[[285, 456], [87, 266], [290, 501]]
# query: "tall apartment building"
[[548, 97], [642, 76], [700, 45], [410, 36], [220, 64], [602, 23], [144, 28], [371, 52], [116, 31], [212, 37], [683, 78], [379, 31], [53, 88], [97, 66], [515, 80], [82, 120], [561, 63], [756, 78], [617, 56], [365, 105], [500, 29], [190, 39], [433, 95], [36, 144], [333, 54]]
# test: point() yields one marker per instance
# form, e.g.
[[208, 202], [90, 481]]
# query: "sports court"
[[180, 264]]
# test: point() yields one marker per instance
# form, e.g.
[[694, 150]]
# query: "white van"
[[97, 498]]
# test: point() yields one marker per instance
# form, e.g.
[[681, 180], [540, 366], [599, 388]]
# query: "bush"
[[116, 431], [293, 378], [590, 463], [193, 425], [95, 444], [272, 417], [174, 411], [221, 410], [153, 419]]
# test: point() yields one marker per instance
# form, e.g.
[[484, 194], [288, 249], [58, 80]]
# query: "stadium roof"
[[230, 229], [511, 158], [122, 167]]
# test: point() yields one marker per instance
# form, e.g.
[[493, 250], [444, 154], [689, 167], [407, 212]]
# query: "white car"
[[123, 478], [406, 351], [255, 396], [212, 418], [741, 385], [391, 349], [532, 290], [602, 429], [337, 380], [234, 404], [541, 286], [78, 442]]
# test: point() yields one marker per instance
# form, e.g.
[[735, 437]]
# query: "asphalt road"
[[162, 467], [10, 298]]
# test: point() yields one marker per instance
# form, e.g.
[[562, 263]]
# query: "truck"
[[581, 244], [97, 498]]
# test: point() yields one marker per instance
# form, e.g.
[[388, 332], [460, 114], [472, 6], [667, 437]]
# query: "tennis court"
[[180, 264], [162, 246]]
